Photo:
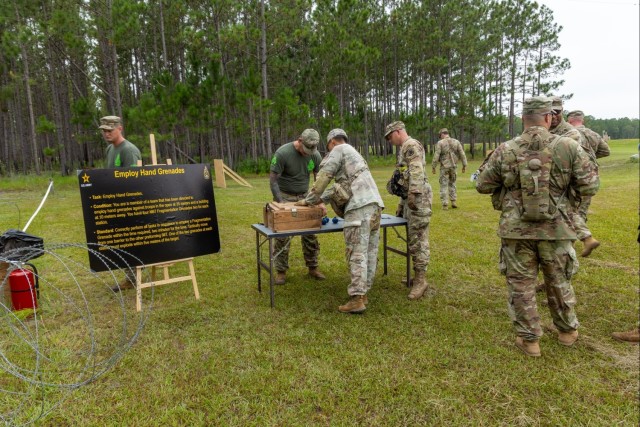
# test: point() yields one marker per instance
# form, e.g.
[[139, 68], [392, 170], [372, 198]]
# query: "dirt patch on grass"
[[612, 264]]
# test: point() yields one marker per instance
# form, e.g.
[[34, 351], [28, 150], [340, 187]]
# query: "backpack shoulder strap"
[[552, 149]]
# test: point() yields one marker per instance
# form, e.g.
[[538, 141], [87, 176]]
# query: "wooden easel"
[[163, 265]]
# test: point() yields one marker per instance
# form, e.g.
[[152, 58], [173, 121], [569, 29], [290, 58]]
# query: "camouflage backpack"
[[534, 170]]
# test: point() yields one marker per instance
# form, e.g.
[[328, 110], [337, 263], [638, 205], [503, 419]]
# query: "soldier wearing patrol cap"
[[596, 147], [558, 124], [562, 128], [447, 154], [541, 236], [120, 153], [357, 195], [416, 207], [291, 166], [592, 141]]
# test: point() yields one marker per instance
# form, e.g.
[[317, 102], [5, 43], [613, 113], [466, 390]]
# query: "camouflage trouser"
[[520, 261], [361, 237], [448, 178], [310, 245], [579, 218], [419, 230]]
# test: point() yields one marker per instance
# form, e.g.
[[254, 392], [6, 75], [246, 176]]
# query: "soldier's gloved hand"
[[300, 203], [400, 211], [464, 169], [413, 200], [433, 171]]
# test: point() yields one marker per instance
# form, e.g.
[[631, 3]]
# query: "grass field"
[[448, 359]]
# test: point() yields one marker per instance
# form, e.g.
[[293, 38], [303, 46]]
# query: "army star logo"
[[85, 178]]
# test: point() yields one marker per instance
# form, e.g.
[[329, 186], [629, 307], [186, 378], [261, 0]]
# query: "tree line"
[[234, 79]]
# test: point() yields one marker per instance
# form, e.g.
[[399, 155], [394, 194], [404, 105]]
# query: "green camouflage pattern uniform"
[[593, 144], [294, 170], [566, 130], [579, 221], [411, 162], [447, 153], [528, 246], [362, 212]]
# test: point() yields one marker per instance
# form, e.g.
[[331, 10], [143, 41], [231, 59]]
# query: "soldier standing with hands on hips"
[[529, 178], [416, 208], [448, 152], [356, 194]]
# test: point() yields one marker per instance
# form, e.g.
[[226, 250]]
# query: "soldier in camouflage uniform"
[[416, 208], [362, 213], [596, 147], [558, 125], [448, 152], [545, 244], [562, 128], [291, 166]]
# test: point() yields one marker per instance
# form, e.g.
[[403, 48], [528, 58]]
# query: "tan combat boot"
[[355, 305], [567, 338], [419, 287], [589, 245], [454, 205], [530, 348], [316, 274], [281, 277], [632, 336]]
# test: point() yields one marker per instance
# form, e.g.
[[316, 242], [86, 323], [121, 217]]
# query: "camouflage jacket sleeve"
[[602, 149], [413, 155], [329, 167], [460, 153], [584, 176], [436, 155], [490, 178], [598, 145]]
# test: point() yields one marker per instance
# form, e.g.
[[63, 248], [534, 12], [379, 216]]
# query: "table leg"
[[258, 260], [406, 233], [384, 242], [271, 290]]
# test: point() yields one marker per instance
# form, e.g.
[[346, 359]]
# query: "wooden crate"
[[287, 217]]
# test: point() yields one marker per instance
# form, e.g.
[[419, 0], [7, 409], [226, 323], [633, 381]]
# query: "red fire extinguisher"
[[24, 287]]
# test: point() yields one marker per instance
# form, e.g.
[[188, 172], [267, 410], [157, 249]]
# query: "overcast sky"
[[601, 39]]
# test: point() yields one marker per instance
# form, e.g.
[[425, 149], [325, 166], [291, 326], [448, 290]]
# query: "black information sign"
[[155, 213]]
